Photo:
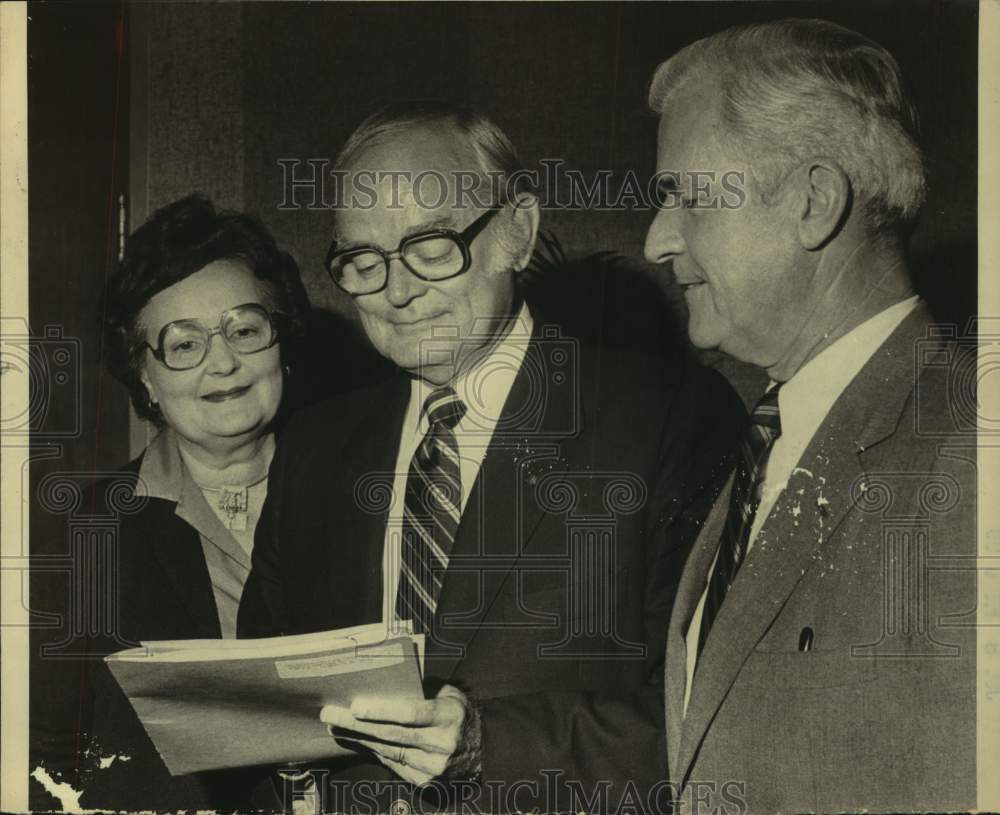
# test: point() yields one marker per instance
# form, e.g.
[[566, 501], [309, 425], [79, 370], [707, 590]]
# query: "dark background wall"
[[77, 168], [234, 89], [78, 128]]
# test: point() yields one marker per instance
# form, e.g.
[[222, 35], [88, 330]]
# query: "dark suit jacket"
[[155, 582], [554, 606], [872, 546]]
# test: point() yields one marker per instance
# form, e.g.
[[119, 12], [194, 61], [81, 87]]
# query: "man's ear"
[[824, 201], [527, 214]]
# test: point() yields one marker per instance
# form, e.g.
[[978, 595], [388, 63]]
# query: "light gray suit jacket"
[[871, 546]]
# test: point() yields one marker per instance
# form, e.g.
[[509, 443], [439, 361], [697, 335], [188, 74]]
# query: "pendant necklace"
[[234, 502]]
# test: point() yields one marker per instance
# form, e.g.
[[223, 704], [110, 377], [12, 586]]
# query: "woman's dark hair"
[[177, 241]]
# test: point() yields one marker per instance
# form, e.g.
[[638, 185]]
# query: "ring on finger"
[[401, 758]]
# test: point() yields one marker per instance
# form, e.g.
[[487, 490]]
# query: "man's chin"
[[425, 357], [701, 339], [437, 376], [432, 374]]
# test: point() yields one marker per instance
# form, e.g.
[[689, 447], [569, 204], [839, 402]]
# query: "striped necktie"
[[755, 447], [431, 511]]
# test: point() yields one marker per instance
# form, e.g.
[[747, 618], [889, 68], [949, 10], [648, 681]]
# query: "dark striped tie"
[[431, 511], [755, 447]]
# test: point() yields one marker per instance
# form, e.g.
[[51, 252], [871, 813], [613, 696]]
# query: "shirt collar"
[[807, 397], [162, 472], [485, 387]]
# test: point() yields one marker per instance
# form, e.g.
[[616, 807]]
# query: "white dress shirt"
[[803, 403], [484, 390]]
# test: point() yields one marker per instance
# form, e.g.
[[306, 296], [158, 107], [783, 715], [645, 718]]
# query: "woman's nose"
[[220, 359]]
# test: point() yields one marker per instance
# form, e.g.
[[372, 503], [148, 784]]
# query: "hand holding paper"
[[212, 704], [418, 739]]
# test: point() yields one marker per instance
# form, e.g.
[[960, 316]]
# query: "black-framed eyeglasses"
[[438, 254], [246, 329]]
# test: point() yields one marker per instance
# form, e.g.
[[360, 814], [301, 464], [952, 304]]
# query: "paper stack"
[[210, 704]]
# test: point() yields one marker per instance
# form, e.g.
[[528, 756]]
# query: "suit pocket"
[[808, 669]]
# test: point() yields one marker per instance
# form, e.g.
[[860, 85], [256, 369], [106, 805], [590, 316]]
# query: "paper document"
[[210, 704]]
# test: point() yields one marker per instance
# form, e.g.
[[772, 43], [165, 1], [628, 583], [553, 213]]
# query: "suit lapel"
[[502, 512], [816, 500], [693, 582], [813, 504], [895, 370], [175, 545], [361, 530], [178, 551]]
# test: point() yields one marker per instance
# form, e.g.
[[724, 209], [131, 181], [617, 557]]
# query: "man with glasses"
[[523, 498]]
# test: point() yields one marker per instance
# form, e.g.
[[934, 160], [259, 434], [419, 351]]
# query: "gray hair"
[[797, 88], [495, 155]]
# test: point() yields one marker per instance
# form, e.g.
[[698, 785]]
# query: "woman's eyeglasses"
[[246, 329]]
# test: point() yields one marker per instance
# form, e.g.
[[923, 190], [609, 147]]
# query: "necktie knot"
[[443, 408]]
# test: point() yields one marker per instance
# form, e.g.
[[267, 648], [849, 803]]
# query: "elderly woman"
[[200, 321]]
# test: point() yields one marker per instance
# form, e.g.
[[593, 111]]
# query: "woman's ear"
[[150, 387], [527, 214]]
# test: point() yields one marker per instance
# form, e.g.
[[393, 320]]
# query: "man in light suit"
[[574, 479], [821, 648]]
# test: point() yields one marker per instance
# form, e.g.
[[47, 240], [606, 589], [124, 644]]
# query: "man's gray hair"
[[797, 88], [495, 156]]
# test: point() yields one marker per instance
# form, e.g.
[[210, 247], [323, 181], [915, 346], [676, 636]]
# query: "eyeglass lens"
[[246, 330], [433, 257]]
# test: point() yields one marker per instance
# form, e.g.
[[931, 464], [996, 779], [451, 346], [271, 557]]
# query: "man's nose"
[[220, 359], [401, 285], [664, 241]]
